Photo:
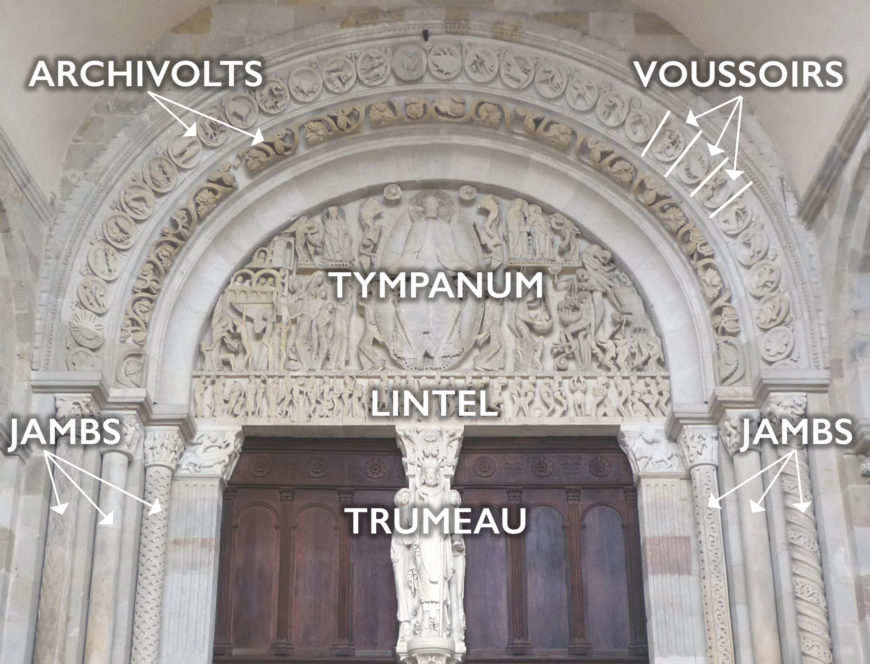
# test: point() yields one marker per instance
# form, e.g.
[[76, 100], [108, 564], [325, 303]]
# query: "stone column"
[[163, 447], [807, 582], [754, 536], [700, 448], [66, 566], [675, 618], [108, 543], [193, 544], [430, 606]]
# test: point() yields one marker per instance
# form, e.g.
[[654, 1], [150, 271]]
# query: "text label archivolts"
[[139, 73]]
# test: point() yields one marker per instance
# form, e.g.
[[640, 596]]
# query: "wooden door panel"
[[315, 588], [295, 586]]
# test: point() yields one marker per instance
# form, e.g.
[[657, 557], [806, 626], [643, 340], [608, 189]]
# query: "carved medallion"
[[669, 145], [273, 96], [305, 83], [316, 467], [184, 151], [481, 64], [339, 74], [764, 277], [599, 466], [119, 231], [612, 108], [409, 63], [445, 60], [87, 329], [93, 294], [241, 111], [104, 261], [375, 468], [137, 200], [517, 70], [373, 66], [484, 466], [542, 466], [160, 174], [550, 80], [777, 344], [581, 93]]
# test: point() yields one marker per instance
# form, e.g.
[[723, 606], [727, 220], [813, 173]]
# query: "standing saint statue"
[[429, 561]]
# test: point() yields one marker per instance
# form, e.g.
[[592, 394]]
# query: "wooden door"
[[296, 585]]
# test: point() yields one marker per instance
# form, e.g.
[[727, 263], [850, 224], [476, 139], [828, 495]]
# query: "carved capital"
[[649, 451], [429, 445], [132, 435], [163, 447], [699, 445], [213, 452], [789, 406], [75, 406], [865, 465], [731, 428]]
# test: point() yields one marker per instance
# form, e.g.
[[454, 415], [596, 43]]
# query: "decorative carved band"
[[312, 399], [553, 79]]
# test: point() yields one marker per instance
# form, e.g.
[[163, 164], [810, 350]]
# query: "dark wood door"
[[296, 585]]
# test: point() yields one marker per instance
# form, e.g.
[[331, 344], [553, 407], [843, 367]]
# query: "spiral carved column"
[[807, 581], [163, 447]]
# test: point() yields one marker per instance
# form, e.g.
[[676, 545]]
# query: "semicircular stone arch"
[[570, 103]]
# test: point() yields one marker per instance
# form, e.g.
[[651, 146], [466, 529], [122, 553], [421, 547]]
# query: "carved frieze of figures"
[[333, 398], [281, 313]]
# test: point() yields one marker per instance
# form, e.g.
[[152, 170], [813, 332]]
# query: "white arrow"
[[154, 507], [731, 200], [803, 505], [692, 119], [191, 130], [108, 519], [756, 506], [713, 502], [714, 149], [60, 508], [709, 177]]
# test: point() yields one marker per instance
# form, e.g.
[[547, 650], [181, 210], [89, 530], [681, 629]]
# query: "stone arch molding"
[[565, 103]]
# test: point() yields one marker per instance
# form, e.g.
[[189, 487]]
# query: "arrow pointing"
[[108, 519], [60, 508], [756, 506], [692, 119], [154, 507], [803, 505], [713, 502], [731, 200], [708, 178], [733, 173], [714, 148], [191, 130]]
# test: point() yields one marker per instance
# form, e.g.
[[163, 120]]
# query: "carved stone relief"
[[556, 80], [429, 566], [279, 319]]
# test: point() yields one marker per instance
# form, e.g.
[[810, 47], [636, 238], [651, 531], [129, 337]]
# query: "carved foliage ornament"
[[556, 79]]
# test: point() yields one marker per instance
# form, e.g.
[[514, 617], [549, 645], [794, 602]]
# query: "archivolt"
[[556, 101]]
